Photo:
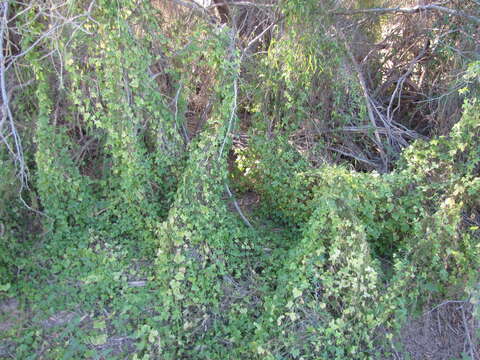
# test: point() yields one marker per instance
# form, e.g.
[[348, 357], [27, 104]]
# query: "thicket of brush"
[[134, 132]]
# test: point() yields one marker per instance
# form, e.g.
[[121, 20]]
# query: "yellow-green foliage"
[[201, 244], [336, 259], [332, 296]]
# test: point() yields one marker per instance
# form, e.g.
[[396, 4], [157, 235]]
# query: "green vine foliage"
[[64, 192], [202, 245], [336, 260], [129, 184], [15, 225], [305, 81], [19, 224], [280, 175], [364, 230]]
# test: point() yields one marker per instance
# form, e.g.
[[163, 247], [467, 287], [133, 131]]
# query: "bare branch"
[[242, 3], [233, 111], [183, 129], [200, 10], [401, 81], [354, 156], [139, 283], [410, 10], [237, 207], [7, 116], [258, 37], [368, 101]]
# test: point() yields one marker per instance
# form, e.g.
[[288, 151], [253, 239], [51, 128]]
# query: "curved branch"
[[411, 10]]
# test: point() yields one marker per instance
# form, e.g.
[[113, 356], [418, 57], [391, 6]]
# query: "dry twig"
[[7, 117], [411, 10]]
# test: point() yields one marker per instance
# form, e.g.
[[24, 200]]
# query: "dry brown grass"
[[446, 332]]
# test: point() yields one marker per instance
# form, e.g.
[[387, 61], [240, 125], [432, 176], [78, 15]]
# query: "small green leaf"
[[297, 293], [5, 287], [99, 324], [98, 340]]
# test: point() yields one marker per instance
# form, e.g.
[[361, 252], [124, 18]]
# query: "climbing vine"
[[199, 191]]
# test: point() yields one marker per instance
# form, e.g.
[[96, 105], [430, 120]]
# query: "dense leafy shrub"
[[145, 132], [364, 230]]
